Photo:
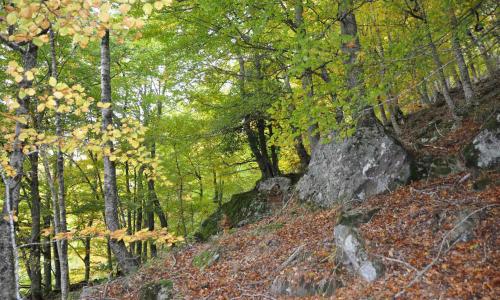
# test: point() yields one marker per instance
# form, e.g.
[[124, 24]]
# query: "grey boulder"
[[368, 163]]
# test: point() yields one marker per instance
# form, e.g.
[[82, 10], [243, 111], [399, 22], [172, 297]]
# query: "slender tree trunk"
[[57, 268], [456, 78], [181, 193], [129, 205], [86, 259], [261, 127], [34, 260], [253, 141], [126, 261], [298, 142], [475, 77], [383, 114], [61, 195], [140, 200], [462, 67], [441, 75], [60, 273], [109, 254], [349, 27], [488, 60], [274, 153], [393, 115], [47, 255], [153, 197], [9, 286], [424, 93], [151, 218]]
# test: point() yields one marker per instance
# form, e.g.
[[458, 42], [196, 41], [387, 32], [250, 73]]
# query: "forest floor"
[[407, 234]]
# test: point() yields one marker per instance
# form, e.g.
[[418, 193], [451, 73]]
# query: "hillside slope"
[[413, 233]]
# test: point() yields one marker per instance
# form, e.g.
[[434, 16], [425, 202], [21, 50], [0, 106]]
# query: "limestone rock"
[[484, 151], [368, 163], [158, 290], [275, 190], [272, 184], [351, 250]]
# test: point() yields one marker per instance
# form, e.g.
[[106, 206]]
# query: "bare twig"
[[397, 261], [292, 257]]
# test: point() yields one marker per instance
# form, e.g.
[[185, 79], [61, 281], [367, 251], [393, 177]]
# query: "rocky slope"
[[435, 238]]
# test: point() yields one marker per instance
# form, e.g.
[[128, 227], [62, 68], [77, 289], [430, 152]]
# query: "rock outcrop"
[[484, 151], [368, 163], [250, 206], [351, 252], [159, 290]]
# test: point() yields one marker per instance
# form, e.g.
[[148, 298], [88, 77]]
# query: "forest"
[[215, 149]]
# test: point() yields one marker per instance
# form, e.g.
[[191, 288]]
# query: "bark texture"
[[125, 260]]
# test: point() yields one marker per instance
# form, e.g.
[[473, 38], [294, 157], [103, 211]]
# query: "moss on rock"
[[157, 290], [241, 209]]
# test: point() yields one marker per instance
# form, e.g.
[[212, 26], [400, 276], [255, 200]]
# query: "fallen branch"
[[441, 247], [292, 257], [397, 261]]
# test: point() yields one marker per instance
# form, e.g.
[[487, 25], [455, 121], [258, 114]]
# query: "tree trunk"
[[47, 255], [57, 268], [9, 286], [153, 197], [456, 78], [393, 115], [488, 60], [151, 217], [125, 260], [140, 200], [274, 153], [129, 205], [181, 193], [253, 140], [424, 93], [61, 195], [261, 127], [462, 67], [475, 77], [86, 259], [298, 142], [383, 114], [441, 75], [34, 260], [349, 27]]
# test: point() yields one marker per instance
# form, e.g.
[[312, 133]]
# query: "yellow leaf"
[[118, 234], [125, 8], [147, 8], [12, 18], [51, 103], [104, 12], [158, 5], [103, 105], [18, 78], [30, 92], [30, 76], [52, 81], [58, 95], [7, 218]]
